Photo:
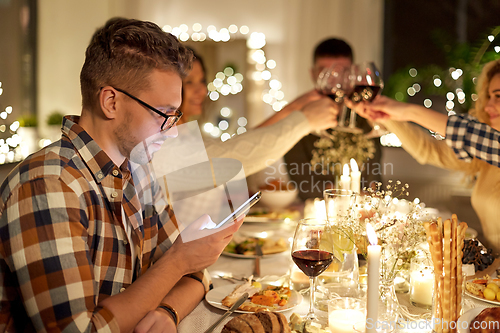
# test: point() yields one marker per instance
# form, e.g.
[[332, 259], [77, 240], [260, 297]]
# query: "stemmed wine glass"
[[312, 252], [366, 83], [334, 82]]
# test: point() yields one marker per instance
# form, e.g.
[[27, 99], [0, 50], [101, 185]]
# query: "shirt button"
[[122, 290], [100, 175], [115, 172], [125, 241], [114, 194]]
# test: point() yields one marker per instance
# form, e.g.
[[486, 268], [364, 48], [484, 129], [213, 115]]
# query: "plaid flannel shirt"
[[63, 247], [470, 138]]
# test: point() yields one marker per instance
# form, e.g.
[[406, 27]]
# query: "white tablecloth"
[[276, 265]]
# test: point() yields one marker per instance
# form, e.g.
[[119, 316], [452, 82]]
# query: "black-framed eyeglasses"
[[170, 120]]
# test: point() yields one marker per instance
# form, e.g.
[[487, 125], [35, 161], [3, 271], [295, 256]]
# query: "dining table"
[[276, 267]]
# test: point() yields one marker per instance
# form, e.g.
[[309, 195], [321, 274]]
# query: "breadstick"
[[453, 272], [447, 274], [435, 246], [439, 233], [428, 233], [460, 248]]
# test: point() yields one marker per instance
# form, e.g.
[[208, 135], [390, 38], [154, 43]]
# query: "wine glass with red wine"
[[334, 82], [366, 83], [312, 252]]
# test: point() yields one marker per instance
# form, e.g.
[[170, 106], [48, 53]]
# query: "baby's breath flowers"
[[332, 152], [396, 222]]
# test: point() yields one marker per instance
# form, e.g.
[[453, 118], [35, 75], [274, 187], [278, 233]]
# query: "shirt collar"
[[96, 159]]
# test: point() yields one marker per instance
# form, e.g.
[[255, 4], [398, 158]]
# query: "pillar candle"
[[345, 180], [355, 177], [374, 252]]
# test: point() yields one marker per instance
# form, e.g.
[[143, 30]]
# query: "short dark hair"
[[333, 48], [124, 52]]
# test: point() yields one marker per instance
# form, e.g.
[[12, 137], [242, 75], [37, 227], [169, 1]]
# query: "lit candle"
[[374, 251], [355, 176], [345, 180], [319, 209], [343, 320], [422, 286]]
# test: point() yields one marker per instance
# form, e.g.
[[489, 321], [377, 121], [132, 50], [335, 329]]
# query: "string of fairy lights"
[[11, 149], [228, 81], [391, 140], [452, 96]]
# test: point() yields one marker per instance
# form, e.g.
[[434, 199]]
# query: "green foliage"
[[469, 57], [28, 121], [55, 118]]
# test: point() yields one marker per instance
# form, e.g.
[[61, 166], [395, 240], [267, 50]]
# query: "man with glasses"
[[78, 234]]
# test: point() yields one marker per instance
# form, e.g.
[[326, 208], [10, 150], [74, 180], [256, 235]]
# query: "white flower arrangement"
[[332, 152], [396, 222]]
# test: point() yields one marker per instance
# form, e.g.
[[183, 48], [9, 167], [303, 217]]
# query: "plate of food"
[[244, 247], [266, 215], [263, 297], [477, 317], [485, 289]]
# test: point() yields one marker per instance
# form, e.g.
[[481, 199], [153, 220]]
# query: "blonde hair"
[[489, 71]]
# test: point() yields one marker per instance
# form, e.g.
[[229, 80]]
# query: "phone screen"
[[243, 209]]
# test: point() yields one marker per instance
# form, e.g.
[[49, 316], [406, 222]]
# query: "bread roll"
[[237, 325], [269, 321], [260, 322]]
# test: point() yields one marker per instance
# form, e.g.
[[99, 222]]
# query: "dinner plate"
[[264, 215], [481, 299], [465, 319], [262, 219], [243, 256], [215, 296]]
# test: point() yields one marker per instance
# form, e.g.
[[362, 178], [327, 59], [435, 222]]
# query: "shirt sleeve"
[[427, 150], [261, 147], [470, 138], [44, 245], [167, 234]]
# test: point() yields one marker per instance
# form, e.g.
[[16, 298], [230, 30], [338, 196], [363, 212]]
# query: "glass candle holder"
[[421, 282], [346, 313]]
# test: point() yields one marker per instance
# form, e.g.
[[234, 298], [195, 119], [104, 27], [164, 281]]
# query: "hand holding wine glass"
[[334, 82], [312, 252], [365, 84]]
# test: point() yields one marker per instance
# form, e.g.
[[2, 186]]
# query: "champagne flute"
[[312, 252], [366, 83]]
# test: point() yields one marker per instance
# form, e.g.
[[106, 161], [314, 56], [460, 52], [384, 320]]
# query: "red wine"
[[312, 262], [364, 93]]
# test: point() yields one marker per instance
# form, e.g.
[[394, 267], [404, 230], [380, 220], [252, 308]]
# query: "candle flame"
[[372, 236], [345, 171], [354, 165]]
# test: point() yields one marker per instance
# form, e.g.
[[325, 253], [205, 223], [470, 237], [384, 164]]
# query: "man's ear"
[[108, 102]]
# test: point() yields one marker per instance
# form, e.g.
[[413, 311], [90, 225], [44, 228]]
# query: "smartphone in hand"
[[243, 209]]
